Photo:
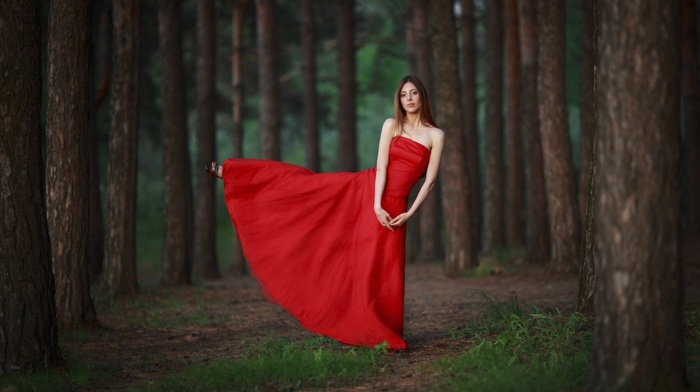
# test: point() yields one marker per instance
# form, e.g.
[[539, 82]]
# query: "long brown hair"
[[426, 112]]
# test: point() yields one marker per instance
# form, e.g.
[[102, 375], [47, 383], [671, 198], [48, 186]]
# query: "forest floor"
[[162, 330]]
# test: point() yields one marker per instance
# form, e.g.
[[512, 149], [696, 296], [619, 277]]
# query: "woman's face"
[[410, 99]]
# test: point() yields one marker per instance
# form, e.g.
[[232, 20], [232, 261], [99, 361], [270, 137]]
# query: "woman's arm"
[[438, 139], [380, 180]]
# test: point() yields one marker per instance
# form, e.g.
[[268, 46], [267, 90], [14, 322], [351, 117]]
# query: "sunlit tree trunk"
[[691, 110], [494, 182], [119, 272], [205, 261], [460, 252], [267, 80], [536, 221], [177, 243], [238, 8], [562, 207], [67, 185], [347, 89], [638, 340], [515, 175], [28, 330], [469, 118], [308, 48]]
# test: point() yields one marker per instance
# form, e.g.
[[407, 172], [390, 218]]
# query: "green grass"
[[518, 348], [71, 378], [279, 364]]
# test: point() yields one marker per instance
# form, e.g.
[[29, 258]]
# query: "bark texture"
[[67, 185], [586, 106], [638, 339], [562, 207], [691, 110], [494, 180], [205, 261], [460, 252], [347, 88], [28, 330], [119, 272], [268, 81], [536, 221]]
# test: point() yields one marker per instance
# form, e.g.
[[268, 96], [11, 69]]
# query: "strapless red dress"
[[315, 245]]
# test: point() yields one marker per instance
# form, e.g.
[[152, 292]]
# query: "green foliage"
[[692, 344], [278, 364], [69, 379], [522, 348]]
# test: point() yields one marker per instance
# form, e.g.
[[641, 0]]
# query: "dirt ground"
[[137, 344]]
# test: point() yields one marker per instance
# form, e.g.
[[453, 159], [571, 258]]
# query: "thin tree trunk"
[[586, 105], [268, 80], [237, 17], [494, 198], [119, 272], [638, 339], [308, 48], [691, 105], [586, 286], [28, 330], [469, 118], [515, 176], [67, 186], [460, 252], [562, 207], [536, 222], [205, 261], [347, 111], [177, 242]]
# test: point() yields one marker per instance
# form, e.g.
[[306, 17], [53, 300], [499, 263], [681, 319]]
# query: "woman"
[[315, 243]]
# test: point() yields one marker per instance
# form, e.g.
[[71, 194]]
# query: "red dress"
[[315, 245]]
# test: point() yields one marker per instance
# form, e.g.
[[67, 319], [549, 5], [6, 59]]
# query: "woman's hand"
[[384, 218], [400, 220]]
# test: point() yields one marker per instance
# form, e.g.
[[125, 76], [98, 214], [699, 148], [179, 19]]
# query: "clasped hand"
[[387, 221]]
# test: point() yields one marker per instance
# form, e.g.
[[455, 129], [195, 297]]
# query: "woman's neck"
[[412, 119]]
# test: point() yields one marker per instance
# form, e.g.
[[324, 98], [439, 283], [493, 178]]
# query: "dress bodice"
[[408, 161]]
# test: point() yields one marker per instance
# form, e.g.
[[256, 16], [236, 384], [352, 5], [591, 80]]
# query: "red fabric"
[[316, 247]]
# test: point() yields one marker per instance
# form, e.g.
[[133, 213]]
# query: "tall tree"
[[67, 186], [119, 272], [428, 232], [308, 67], [205, 262], [177, 241], [691, 106], [586, 106], [515, 177], [29, 338], [562, 207], [638, 338], [460, 252], [494, 197], [238, 8], [347, 89], [536, 222], [469, 118], [268, 80]]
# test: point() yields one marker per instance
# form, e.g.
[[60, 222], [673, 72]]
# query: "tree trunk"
[[691, 105], [562, 207], [586, 105], [515, 178], [428, 226], [67, 186], [268, 81], [177, 243], [237, 17], [308, 68], [638, 341], [347, 117], [469, 109], [119, 273], [460, 252], [28, 330], [536, 223], [205, 262], [101, 60], [494, 203], [586, 286]]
